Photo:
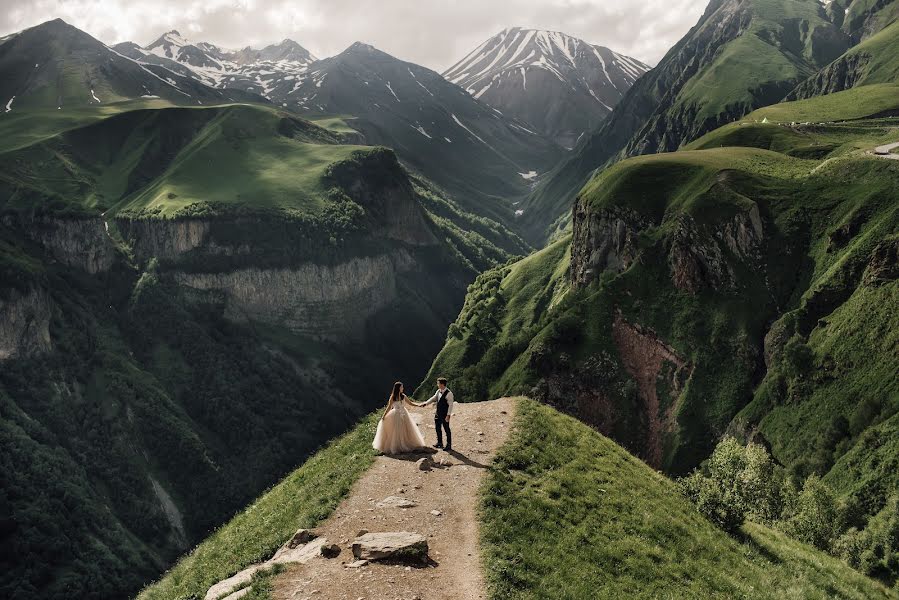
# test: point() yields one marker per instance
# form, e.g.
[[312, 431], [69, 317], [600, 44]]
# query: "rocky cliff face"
[[24, 323], [164, 238], [322, 301], [603, 240], [698, 256], [81, 242], [842, 74]]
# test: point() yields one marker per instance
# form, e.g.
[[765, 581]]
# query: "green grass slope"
[[741, 55], [874, 30], [826, 209], [567, 513], [304, 498]]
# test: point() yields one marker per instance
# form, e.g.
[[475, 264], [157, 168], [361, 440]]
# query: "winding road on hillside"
[[445, 512], [885, 151]]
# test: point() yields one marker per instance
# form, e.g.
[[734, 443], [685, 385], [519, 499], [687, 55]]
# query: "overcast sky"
[[433, 33]]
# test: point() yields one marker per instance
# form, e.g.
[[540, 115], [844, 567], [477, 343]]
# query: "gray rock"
[[300, 554], [239, 594], [302, 536], [396, 502], [356, 564], [399, 546], [224, 587]]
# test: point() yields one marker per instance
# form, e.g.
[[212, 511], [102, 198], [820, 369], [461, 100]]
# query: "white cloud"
[[434, 34]]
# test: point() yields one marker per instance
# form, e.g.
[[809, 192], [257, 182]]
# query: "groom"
[[444, 399]]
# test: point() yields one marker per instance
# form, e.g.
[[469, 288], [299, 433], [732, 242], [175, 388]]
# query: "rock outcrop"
[[399, 546], [603, 240], [311, 299], [700, 257], [883, 266], [24, 323], [81, 242], [164, 238]]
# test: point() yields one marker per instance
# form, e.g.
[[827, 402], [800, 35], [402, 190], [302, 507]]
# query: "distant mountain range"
[[269, 72], [486, 160], [55, 65], [520, 99], [562, 85]]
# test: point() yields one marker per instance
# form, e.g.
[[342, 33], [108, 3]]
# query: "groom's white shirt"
[[449, 400]]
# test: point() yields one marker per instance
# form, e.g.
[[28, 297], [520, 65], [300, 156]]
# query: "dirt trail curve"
[[884, 151], [446, 501]]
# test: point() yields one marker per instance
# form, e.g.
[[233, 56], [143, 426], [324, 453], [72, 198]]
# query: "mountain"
[[875, 30], [741, 55], [55, 65], [483, 159], [268, 72], [192, 300], [560, 84], [744, 285]]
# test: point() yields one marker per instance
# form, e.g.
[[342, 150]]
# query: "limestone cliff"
[[81, 242], [324, 301]]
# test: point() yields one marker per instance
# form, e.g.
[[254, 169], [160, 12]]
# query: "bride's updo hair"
[[395, 395]]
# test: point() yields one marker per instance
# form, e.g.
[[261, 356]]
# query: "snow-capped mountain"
[[560, 84], [57, 66], [269, 71], [462, 144]]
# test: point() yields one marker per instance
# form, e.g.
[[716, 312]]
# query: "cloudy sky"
[[432, 33]]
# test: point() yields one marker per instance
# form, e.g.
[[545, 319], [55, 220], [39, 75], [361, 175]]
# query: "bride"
[[397, 432]]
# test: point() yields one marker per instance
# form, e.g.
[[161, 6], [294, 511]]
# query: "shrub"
[[798, 358], [740, 482], [816, 517]]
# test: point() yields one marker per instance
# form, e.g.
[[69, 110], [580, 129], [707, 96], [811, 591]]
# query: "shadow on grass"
[[746, 539]]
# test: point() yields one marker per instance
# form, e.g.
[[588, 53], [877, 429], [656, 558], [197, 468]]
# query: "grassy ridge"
[[303, 499], [569, 514]]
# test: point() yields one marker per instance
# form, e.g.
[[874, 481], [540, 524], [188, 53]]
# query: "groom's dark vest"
[[442, 404]]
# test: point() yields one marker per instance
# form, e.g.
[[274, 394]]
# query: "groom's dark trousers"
[[440, 424]]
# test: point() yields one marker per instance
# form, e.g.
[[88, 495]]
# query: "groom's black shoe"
[[438, 445], [449, 448]]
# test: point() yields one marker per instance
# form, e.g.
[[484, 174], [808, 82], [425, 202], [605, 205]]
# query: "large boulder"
[[397, 546]]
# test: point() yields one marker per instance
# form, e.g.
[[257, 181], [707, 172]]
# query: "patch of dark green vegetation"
[[740, 483]]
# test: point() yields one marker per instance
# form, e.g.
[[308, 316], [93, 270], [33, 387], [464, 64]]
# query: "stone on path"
[[238, 594], [224, 586], [356, 564], [436, 513], [401, 546], [302, 536], [396, 502], [301, 554], [424, 464], [285, 554]]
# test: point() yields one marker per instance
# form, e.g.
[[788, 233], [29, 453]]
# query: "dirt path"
[[884, 151], [455, 573]]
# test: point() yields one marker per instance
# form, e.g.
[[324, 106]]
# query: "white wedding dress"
[[397, 432]]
